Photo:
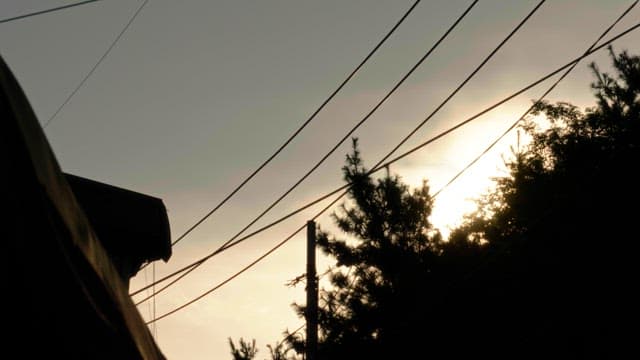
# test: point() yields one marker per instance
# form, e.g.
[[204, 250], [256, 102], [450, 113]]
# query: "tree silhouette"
[[246, 351], [543, 269], [561, 228], [388, 268]]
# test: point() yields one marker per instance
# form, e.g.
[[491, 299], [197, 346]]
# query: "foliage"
[[560, 226], [246, 351], [279, 351], [390, 265], [543, 269]]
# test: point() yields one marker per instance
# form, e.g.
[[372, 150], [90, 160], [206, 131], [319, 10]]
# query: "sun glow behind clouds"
[[454, 202], [459, 198]]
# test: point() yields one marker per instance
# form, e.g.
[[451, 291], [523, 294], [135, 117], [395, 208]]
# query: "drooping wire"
[[146, 281], [549, 90], [19, 17], [155, 325], [397, 158], [464, 82], [313, 115], [448, 98], [344, 138], [245, 268], [95, 66], [508, 98], [547, 213]]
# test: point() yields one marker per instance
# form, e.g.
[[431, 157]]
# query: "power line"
[[551, 88], [522, 22], [378, 165], [243, 269], [466, 80], [46, 11], [501, 249], [256, 232], [571, 66], [93, 69], [355, 127], [548, 212], [344, 138], [146, 281], [155, 326], [398, 158], [192, 268], [510, 97], [313, 115]]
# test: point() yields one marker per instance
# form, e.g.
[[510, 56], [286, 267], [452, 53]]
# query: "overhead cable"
[[263, 256], [399, 157], [295, 133], [95, 66], [551, 88], [344, 138], [382, 167], [19, 17], [473, 73]]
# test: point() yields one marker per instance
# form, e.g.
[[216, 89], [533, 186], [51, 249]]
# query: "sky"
[[197, 94]]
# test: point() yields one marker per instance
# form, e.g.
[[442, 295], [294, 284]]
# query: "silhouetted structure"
[[132, 227], [65, 297]]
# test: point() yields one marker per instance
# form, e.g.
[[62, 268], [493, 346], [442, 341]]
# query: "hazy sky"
[[198, 93]]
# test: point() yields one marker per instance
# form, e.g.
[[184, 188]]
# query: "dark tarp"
[[63, 296]]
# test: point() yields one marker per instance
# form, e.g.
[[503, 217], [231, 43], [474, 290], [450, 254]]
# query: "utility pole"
[[311, 348]]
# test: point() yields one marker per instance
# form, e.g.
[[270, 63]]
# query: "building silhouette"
[[70, 246]]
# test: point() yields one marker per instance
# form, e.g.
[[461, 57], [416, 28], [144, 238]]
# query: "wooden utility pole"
[[311, 348]]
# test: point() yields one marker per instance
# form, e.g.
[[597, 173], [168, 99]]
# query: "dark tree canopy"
[[387, 289], [390, 251], [561, 227]]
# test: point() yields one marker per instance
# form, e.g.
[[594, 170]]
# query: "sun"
[[457, 199]]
